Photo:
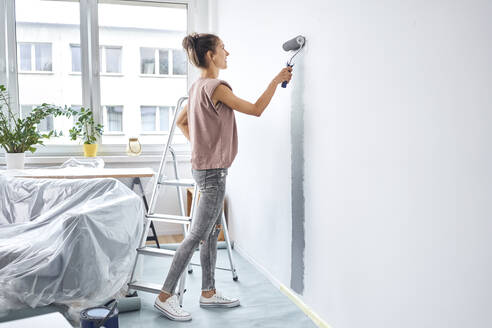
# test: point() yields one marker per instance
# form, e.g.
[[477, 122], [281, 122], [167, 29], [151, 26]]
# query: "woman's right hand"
[[284, 75]]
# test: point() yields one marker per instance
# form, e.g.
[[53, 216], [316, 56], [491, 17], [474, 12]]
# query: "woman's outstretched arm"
[[224, 94]]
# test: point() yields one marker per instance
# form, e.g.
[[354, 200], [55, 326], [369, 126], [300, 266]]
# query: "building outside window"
[[76, 58], [138, 38], [35, 57], [110, 59], [114, 118], [155, 118], [158, 61]]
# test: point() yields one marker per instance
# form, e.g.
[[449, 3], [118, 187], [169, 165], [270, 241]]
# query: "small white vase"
[[15, 161]]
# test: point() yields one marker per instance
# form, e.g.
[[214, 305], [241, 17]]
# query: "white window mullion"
[[156, 61], [157, 118], [3, 43], [170, 54], [102, 49], [89, 47], [33, 58], [12, 84]]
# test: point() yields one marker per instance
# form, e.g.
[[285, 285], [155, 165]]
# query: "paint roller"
[[293, 44]]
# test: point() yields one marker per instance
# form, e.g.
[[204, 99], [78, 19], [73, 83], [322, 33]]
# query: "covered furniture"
[[66, 241]]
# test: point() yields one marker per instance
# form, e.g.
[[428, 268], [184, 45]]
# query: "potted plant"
[[18, 135], [87, 129]]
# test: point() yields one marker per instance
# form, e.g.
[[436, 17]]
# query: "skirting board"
[[287, 291]]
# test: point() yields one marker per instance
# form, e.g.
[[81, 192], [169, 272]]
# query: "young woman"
[[208, 122]]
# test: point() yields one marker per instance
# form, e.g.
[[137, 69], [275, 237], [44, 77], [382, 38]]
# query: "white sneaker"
[[218, 300], [171, 309]]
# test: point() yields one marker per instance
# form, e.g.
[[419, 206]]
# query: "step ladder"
[[162, 181]]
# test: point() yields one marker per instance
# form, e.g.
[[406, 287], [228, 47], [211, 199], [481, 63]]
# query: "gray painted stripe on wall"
[[297, 176]]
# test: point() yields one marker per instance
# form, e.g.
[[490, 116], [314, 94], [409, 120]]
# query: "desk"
[[92, 173]]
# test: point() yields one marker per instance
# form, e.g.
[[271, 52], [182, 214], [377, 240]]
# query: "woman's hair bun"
[[189, 42], [197, 45]]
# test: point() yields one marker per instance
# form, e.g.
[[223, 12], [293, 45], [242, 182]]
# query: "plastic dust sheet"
[[66, 241]]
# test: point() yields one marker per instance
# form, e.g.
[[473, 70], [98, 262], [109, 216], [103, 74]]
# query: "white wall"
[[397, 149]]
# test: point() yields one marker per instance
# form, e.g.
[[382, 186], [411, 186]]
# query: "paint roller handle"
[[284, 84]]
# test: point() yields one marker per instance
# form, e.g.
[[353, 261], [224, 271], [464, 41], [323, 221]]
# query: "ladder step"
[[155, 251], [145, 286], [169, 218], [179, 183]]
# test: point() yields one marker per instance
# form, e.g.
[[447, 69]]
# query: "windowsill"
[[111, 134], [110, 153], [112, 74], [100, 74], [36, 72], [114, 159], [156, 133], [163, 76]]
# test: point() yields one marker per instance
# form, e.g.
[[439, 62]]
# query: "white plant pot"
[[15, 161]]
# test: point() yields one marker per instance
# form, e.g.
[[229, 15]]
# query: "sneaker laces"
[[221, 297], [174, 305]]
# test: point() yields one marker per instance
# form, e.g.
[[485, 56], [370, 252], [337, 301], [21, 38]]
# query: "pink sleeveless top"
[[213, 131]]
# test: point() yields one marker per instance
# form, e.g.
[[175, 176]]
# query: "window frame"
[[157, 123], [90, 70], [104, 63], [106, 120], [33, 59], [170, 63]]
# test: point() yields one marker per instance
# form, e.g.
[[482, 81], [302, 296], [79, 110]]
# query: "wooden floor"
[[168, 239]]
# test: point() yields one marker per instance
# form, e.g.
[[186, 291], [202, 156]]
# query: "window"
[[155, 118], [114, 119], [164, 113], [76, 58], [48, 49], [56, 58], [77, 109], [110, 59], [147, 60], [179, 62], [35, 57], [150, 56], [147, 36], [45, 125]]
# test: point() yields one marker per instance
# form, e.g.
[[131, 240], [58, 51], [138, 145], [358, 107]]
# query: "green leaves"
[[85, 127], [18, 135]]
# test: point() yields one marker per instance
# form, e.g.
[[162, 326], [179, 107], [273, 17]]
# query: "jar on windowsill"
[[133, 148]]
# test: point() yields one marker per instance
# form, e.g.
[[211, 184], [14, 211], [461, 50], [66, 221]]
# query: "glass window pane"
[[163, 61], [140, 29], [164, 118], [42, 51], [147, 60], [147, 114], [113, 60], [52, 29], [76, 59], [101, 68], [45, 125], [25, 110], [115, 118], [25, 56], [179, 62], [77, 109]]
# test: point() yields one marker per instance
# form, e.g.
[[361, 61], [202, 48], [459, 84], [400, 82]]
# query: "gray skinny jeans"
[[211, 183]]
